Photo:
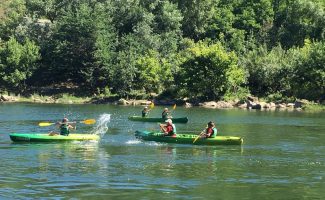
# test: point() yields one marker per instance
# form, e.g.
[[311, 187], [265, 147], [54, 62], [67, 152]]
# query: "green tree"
[[197, 15], [269, 71], [18, 62], [309, 76], [297, 20], [80, 50], [210, 72], [14, 15]]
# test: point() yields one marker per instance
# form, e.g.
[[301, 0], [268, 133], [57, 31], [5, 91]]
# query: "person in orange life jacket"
[[169, 128], [64, 127], [210, 131]]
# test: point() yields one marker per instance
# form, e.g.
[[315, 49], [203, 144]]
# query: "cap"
[[169, 121]]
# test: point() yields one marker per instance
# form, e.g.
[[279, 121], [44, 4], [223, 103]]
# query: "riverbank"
[[249, 103]]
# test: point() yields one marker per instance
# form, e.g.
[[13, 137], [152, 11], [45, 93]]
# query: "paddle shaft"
[[199, 136], [87, 121]]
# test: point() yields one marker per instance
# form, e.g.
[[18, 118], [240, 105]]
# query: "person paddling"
[[169, 129], [165, 114], [211, 131], [145, 111], [64, 127]]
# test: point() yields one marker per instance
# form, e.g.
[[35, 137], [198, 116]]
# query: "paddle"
[[198, 136], [152, 105], [87, 121]]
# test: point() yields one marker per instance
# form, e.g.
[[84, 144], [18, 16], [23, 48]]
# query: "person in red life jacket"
[[169, 129], [211, 131], [64, 127]]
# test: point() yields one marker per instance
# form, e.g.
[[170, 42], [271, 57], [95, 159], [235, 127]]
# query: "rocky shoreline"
[[249, 103]]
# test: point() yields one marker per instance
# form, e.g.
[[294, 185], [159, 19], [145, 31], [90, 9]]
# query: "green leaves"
[[210, 72], [18, 62]]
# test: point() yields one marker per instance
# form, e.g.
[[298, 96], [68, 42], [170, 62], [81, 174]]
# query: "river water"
[[283, 156]]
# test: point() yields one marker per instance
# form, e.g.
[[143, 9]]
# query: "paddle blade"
[[152, 105], [89, 121], [196, 139], [174, 107], [198, 136], [45, 124]]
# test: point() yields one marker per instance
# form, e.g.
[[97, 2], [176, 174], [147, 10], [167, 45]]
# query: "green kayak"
[[157, 119], [188, 139], [45, 137]]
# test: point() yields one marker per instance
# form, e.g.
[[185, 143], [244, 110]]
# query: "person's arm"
[[73, 126], [58, 124], [163, 128]]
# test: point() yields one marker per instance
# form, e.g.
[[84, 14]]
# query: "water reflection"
[[282, 155]]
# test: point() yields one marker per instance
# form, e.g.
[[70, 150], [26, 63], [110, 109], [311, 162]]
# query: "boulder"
[[123, 102], [290, 105], [253, 99], [7, 98], [188, 105], [209, 104], [300, 103], [242, 106], [280, 105], [219, 104]]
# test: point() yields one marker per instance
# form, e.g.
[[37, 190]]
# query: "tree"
[[309, 77], [18, 62], [210, 72], [297, 20], [269, 71]]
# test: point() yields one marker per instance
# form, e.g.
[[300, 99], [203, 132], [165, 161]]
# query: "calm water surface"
[[283, 156]]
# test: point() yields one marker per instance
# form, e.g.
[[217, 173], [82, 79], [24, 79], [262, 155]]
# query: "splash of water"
[[101, 124]]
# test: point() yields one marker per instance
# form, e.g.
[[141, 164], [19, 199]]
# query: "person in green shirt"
[[145, 111], [165, 114], [64, 126]]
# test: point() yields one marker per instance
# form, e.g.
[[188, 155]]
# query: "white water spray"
[[101, 124]]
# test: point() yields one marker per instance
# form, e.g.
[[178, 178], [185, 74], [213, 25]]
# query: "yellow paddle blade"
[[45, 123], [89, 121], [174, 107], [198, 136], [152, 105]]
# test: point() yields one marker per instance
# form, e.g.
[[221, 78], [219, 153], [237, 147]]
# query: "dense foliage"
[[209, 49]]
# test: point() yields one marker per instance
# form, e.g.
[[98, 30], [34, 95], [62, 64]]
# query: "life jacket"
[[213, 130], [144, 113], [164, 115], [64, 129], [173, 130]]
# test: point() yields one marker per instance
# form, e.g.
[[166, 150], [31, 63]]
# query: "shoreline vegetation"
[[186, 52], [250, 102]]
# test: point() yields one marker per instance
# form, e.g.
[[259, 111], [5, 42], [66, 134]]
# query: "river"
[[282, 157]]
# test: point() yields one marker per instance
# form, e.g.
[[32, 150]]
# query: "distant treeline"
[[208, 49]]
